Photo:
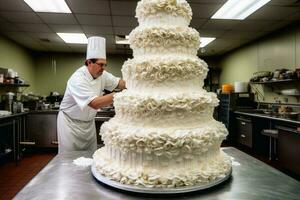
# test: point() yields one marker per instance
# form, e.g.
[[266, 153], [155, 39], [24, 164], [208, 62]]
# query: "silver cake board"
[[145, 190]]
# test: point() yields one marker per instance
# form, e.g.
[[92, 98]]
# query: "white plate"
[[139, 189]]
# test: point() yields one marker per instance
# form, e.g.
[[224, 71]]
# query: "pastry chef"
[[84, 95]]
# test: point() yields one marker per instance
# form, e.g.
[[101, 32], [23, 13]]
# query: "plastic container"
[[227, 88], [240, 87]]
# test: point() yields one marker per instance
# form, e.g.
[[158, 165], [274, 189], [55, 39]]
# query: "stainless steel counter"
[[251, 179], [267, 117], [13, 115]]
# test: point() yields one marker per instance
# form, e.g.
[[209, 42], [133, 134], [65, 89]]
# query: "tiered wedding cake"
[[163, 134]]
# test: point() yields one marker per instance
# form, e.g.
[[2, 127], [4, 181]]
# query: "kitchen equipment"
[[290, 92], [240, 87], [227, 88], [11, 73], [297, 72], [1, 78], [7, 100], [258, 76]]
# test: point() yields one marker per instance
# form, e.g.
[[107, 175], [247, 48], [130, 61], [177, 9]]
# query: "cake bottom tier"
[[150, 170]]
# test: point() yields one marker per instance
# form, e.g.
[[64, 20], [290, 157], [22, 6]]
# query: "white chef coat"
[[75, 122]]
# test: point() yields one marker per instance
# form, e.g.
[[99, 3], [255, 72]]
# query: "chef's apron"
[[75, 135]]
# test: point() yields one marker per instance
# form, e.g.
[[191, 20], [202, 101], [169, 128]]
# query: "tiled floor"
[[13, 178]]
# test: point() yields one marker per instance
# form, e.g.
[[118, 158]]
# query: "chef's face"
[[96, 69]]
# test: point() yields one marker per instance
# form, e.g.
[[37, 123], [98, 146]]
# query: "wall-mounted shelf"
[[276, 86], [278, 81], [13, 85]]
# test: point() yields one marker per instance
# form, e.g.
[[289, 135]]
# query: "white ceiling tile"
[[100, 20], [80, 48], [220, 24], [276, 26], [110, 39], [283, 2], [123, 7], [57, 47], [211, 33], [98, 30], [252, 25], [240, 35], [40, 28], [295, 17], [52, 37], [124, 21], [7, 26], [123, 30], [58, 18], [89, 7], [197, 23], [2, 19], [94, 18], [14, 5], [58, 28], [206, 1], [25, 17], [204, 10], [274, 13]]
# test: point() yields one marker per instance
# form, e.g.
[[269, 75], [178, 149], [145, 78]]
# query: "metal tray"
[[139, 189]]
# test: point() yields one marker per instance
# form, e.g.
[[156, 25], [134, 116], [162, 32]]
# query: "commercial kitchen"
[[254, 68]]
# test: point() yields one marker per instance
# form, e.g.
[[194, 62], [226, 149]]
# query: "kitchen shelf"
[[14, 85], [278, 81]]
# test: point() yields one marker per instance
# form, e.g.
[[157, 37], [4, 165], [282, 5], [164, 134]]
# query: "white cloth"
[[74, 135], [75, 122], [96, 48]]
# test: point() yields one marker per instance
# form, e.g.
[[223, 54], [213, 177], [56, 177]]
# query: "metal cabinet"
[[289, 148], [244, 131], [11, 132], [41, 128]]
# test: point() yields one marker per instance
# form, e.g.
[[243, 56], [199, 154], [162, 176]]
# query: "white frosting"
[[148, 8], [164, 37], [83, 162], [168, 141], [163, 110], [134, 169], [161, 74], [163, 133], [162, 51], [161, 19]]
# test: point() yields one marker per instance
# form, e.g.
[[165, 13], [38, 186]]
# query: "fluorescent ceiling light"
[[205, 41], [122, 40], [56, 6], [238, 9], [73, 38]]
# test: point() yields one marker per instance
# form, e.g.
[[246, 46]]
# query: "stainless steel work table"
[[251, 179]]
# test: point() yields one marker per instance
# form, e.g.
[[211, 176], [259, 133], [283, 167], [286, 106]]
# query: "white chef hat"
[[96, 48]]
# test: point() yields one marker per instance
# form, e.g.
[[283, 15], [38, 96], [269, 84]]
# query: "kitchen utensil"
[[290, 92], [227, 88], [240, 87]]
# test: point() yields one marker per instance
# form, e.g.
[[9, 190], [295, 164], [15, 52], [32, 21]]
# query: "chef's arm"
[[101, 101], [121, 85]]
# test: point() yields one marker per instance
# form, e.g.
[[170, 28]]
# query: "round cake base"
[[145, 190]]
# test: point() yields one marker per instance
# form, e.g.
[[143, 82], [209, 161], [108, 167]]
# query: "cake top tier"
[[175, 8]]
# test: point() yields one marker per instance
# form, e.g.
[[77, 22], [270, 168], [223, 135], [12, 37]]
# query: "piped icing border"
[[216, 168], [163, 141], [164, 37], [159, 70], [152, 7], [134, 104]]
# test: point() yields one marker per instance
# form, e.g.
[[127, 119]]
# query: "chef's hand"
[[101, 101], [121, 85]]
